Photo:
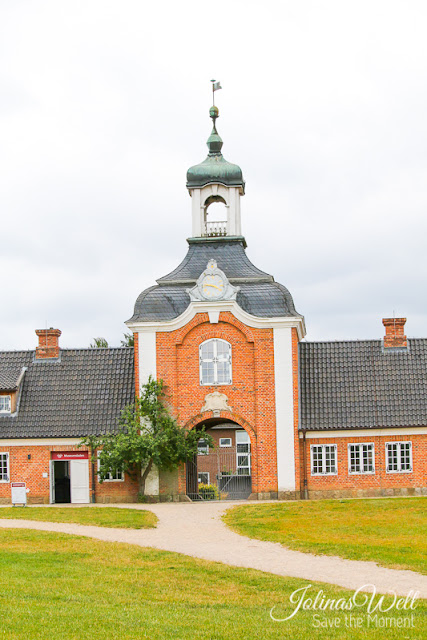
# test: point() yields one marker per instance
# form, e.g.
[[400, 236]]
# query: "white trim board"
[[284, 397], [367, 433], [40, 442]]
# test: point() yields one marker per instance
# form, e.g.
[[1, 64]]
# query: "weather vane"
[[215, 86]]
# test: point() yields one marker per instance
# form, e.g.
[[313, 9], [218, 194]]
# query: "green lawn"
[[98, 516], [72, 588], [389, 531]]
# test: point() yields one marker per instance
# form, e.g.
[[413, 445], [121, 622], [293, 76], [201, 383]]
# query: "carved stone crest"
[[216, 402]]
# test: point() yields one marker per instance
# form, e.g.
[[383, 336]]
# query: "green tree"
[[99, 343], [128, 340], [148, 436]]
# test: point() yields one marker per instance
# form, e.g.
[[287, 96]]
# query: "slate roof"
[[354, 385], [10, 371], [259, 294], [81, 393]]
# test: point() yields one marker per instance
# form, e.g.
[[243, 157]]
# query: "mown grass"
[[98, 516], [72, 588], [389, 531]]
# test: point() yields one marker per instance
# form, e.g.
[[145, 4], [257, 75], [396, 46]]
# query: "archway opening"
[[216, 216], [224, 471]]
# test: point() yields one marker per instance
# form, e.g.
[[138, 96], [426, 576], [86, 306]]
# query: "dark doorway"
[[221, 472], [62, 490]]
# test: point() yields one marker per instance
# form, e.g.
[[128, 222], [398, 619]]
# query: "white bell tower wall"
[[203, 197]]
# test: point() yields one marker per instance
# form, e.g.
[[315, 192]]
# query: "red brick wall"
[[250, 396], [31, 472], [380, 481]]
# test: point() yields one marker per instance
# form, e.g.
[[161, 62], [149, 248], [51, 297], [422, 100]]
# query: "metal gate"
[[222, 473]]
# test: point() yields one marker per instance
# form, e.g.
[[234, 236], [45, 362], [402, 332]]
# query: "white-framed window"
[[4, 467], [361, 458], [5, 404], [215, 362], [203, 477], [202, 448], [323, 459], [398, 457], [243, 453], [225, 442], [114, 475]]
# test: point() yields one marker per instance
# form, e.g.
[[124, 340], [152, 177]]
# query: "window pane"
[[4, 466], [330, 459], [316, 453], [223, 349], [223, 369], [208, 350], [405, 456], [208, 371], [4, 403], [354, 458], [392, 464], [367, 458]]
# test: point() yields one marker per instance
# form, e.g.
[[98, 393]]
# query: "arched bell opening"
[[215, 216], [224, 471]]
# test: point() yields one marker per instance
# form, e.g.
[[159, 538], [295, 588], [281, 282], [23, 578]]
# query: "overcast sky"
[[104, 106]]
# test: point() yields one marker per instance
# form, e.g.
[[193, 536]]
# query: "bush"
[[208, 492]]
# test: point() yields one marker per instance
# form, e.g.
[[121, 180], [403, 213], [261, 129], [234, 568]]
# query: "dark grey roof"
[[10, 372], [81, 393], [259, 294], [229, 254], [350, 385]]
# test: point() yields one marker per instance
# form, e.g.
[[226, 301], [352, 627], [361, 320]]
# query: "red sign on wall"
[[70, 455]]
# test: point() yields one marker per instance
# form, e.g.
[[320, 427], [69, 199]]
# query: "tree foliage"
[[128, 340], [99, 343], [148, 436]]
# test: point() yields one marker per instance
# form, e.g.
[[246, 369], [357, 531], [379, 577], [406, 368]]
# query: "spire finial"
[[214, 141]]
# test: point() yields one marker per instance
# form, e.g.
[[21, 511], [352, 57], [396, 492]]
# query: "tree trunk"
[[143, 477]]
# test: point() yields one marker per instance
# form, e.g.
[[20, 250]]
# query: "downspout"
[[92, 455], [304, 466]]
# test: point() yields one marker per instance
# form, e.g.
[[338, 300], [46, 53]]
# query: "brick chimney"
[[394, 333], [48, 343]]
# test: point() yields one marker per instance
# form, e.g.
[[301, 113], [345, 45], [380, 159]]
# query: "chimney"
[[394, 335], [48, 343]]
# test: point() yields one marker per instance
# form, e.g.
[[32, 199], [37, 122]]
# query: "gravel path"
[[197, 530]]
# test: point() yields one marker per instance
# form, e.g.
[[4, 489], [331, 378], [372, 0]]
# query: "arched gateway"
[[224, 471]]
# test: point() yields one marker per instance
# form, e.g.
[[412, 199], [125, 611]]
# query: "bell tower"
[[215, 180]]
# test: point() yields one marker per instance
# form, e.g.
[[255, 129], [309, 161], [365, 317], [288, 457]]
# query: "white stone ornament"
[[213, 285], [216, 402]]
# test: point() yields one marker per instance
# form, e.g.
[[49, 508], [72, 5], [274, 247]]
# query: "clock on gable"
[[213, 285]]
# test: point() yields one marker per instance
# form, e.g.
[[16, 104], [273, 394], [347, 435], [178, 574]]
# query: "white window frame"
[[399, 445], [323, 448], [202, 449], [6, 479], [243, 441], [109, 476], [207, 474], [215, 361], [359, 446], [221, 442], [10, 404]]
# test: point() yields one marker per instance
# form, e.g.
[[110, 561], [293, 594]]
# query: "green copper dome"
[[215, 169]]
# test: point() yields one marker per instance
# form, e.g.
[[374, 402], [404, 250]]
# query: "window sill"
[[361, 473]]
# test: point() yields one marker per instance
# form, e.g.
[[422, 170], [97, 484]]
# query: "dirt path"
[[197, 530]]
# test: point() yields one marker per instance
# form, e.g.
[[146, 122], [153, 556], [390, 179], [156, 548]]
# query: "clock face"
[[213, 287]]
